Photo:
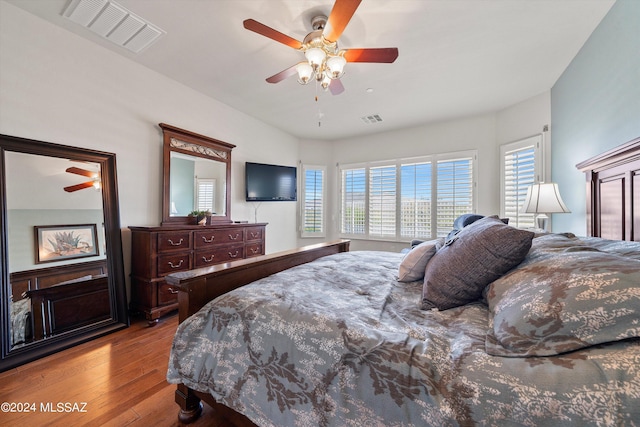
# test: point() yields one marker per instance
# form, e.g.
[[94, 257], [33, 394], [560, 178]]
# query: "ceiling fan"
[[95, 179], [324, 60]]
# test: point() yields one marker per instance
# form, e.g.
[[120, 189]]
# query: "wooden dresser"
[[158, 251]]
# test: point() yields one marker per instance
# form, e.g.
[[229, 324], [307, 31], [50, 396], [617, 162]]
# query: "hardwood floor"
[[120, 377]]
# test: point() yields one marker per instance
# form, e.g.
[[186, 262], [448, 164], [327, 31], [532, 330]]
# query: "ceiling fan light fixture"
[[316, 57], [305, 72], [326, 81], [335, 66]]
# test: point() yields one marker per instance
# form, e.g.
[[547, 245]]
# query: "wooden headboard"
[[613, 192], [30, 280]]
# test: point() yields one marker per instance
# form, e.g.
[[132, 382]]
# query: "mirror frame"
[[115, 266], [190, 143]]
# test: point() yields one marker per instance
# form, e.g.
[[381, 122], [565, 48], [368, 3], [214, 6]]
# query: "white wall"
[[58, 87]]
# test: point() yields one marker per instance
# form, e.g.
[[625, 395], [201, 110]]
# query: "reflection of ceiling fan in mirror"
[[324, 61], [95, 179]]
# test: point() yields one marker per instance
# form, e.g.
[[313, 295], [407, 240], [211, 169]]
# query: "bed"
[[533, 329]]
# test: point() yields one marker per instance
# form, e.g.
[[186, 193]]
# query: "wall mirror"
[[196, 176], [62, 275]]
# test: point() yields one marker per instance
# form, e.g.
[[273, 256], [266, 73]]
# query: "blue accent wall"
[[595, 106]]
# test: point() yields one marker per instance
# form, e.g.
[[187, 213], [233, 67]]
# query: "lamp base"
[[541, 221]]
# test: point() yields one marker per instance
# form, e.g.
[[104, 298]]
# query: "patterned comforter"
[[340, 342]]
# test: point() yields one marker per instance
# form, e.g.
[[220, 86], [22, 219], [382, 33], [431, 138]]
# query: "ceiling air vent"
[[113, 22], [373, 118]]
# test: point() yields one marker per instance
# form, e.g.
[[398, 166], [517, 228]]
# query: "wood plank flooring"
[[121, 377]]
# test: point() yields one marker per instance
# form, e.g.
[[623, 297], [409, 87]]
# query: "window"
[[313, 188], [205, 191], [395, 200], [521, 167]]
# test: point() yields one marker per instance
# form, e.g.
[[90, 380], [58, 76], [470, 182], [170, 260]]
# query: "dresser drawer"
[[254, 233], [166, 294], [170, 263], [217, 255], [173, 241], [209, 238], [253, 249]]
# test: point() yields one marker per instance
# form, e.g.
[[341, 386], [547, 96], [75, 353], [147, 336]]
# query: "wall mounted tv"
[[270, 183]]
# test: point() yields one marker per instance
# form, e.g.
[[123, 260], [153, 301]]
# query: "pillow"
[[475, 257], [574, 299], [413, 264]]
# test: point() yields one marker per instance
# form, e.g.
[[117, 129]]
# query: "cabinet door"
[[217, 255], [170, 263], [166, 294], [209, 238], [254, 249], [254, 233], [174, 241]]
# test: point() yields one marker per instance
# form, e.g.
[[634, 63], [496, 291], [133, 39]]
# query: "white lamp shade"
[[335, 66], [315, 56], [544, 198], [305, 71]]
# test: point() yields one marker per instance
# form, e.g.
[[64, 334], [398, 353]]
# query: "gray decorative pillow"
[[478, 255], [564, 300], [415, 261]]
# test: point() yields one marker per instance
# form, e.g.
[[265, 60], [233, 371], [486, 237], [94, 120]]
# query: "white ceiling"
[[457, 57]]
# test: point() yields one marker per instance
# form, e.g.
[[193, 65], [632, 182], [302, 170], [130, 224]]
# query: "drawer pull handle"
[[234, 237], [204, 239], [172, 243], [172, 291], [204, 258], [254, 250], [234, 255], [255, 235], [176, 266]]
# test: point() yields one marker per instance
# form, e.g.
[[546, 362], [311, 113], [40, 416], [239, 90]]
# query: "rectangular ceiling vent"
[[373, 118], [113, 22]]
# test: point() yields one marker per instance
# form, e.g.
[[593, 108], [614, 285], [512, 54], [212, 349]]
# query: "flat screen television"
[[270, 183]]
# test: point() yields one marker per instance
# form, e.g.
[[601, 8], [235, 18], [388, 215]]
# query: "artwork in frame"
[[63, 242]]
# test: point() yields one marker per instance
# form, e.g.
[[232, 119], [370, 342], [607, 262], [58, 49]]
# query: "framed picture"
[[62, 242]]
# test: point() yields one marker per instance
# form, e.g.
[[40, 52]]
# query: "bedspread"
[[340, 342]]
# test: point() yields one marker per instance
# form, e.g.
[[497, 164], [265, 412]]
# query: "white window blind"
[[455, 192], [313, 187], [205, 194], [520, 168], [353, 206], [393, 200], [382, 201]]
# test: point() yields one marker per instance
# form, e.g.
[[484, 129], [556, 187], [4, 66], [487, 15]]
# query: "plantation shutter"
[[205, 193], [353, 201], [454, 192], [313, 201], [382, 201], [519, 170]]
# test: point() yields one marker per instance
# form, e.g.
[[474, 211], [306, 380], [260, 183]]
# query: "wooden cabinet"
[[158, 251]]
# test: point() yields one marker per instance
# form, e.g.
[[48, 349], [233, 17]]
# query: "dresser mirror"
[[62, 276], [196, 177]]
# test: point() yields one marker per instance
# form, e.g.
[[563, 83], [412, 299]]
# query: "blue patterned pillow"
[[564, 297]]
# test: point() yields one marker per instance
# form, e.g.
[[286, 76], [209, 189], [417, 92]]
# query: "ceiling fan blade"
[[336, 87], [72, 188], [83, 172], [257, 27], [339, 17], [284, 74], [385, 55]]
